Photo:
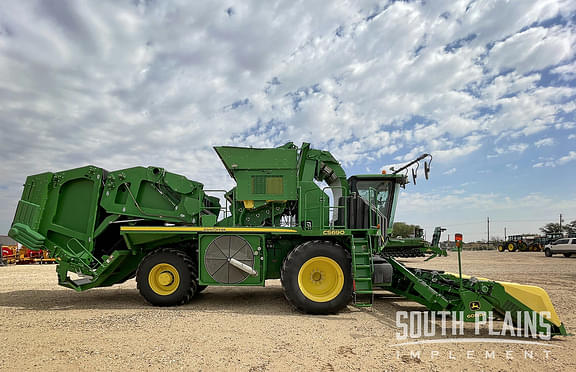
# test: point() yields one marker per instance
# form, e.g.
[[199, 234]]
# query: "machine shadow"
[[239, 300]]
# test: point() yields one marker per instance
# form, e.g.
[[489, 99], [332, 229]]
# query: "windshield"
[[378, 193]]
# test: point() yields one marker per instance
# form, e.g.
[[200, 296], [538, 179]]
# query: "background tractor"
[[526, 243]]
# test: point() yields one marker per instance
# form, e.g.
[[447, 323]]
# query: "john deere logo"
[[474, 305]]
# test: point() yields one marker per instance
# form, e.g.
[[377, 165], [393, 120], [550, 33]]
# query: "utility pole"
[[560, 222], [488, 223], [505, 233]]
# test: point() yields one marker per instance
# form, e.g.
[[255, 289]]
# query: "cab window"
[[378, 193]]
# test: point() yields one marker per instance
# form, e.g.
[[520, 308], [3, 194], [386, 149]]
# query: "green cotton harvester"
[[326, 244]]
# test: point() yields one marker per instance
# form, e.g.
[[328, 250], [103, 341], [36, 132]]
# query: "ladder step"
[[363, 304], [362, 270]]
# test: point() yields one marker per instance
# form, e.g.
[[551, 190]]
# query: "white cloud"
[[507, 149], [567, 158], [567, 71], [557, 162], [533, 49], [456, 153], [518, 147], [544, 142], [450, 171]]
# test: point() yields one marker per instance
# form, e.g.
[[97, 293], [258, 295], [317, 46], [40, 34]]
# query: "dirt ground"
[[48, 327]]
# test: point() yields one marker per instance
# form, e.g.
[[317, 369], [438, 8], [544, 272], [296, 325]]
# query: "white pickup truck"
[[566, 246]]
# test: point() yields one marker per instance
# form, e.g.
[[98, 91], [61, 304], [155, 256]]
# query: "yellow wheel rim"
[[164, 279], [500, 248], [510, 247], [321, 279]]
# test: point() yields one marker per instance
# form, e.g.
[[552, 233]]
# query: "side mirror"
[[426, 169]]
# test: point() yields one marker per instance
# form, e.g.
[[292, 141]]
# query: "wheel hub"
[[164, 279], [316, 277], [321, 279]]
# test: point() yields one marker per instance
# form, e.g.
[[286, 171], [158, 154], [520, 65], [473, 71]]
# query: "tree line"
[[555, 227], [404, 230]]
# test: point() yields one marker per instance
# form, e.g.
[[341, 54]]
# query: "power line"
[[488, 221]]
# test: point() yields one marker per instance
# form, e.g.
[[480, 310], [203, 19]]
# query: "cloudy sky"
[[487, 87]]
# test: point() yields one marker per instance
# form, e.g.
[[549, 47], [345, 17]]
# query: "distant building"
[[6, 240]]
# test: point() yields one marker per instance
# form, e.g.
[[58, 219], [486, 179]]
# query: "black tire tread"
[[190, 292], [290, 260]]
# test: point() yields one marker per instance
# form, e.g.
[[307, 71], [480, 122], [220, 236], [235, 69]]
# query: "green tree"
[[403, 229], [551, 227], [570, 228]]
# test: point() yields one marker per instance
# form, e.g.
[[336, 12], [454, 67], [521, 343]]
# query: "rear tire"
[[500, 248], [567, 255], [317, 277], [548, 252], [511, 247], [167, 277]]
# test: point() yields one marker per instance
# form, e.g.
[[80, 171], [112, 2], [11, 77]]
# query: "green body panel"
[[58, 212], [277, 248], [155, 194], [262, 174]]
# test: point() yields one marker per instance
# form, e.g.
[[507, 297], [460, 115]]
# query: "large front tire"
[[317, 278], [167, 277]]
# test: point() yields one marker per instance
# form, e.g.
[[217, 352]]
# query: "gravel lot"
[[48, 327]]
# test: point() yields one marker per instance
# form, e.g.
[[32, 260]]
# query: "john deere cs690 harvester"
[[324, 243]]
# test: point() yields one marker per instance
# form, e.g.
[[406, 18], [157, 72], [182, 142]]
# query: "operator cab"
[[372, 201], [377, 190]]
